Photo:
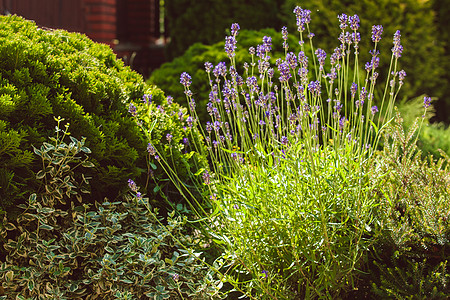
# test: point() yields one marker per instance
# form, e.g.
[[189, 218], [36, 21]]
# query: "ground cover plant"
[[106, 250], [292, 187]]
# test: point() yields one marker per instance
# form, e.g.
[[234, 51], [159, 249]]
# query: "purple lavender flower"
[[356, 37], [338, 106], [342, 123], [362, 95], [169, 100], [377, 31], [169, 137], [190, 121], [374, 109], [209, 127], [234, 29], [314, 88], [206, 177], [267, 43], [208, 66], [186, 141], [132, 185], [230, 46], [426, 102], [251, 50], [185, 79], [343, 19], [291, 59], [321, 55], [401, 76], [284, 140], [303, 17], [220, 69], [252, 83], [147, 99], [139, 195], [266, 274], [397, 49], [284, 33], [151, 150], [270, 73], [354, 89], [132, 110], [354, 22], [285, 74]]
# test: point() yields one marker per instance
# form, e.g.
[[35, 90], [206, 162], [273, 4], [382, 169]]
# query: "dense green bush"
[[204, 21], [46, 73], [422, 57], [115, 250]]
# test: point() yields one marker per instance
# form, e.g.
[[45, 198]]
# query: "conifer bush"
[[47, 73]]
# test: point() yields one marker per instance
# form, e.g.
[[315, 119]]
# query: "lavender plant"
[[290, 146]]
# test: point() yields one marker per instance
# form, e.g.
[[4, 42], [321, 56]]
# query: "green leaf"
[[86, 150], [9, 275], [156, 189], [200, 171], [40, 174], [10, 226], [169, 261], [87, 164], [46, 227], [31, 285]]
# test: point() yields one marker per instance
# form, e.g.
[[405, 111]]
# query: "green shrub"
[[204, 21], [56, 73], [410, 258], [45, 73], [115, 250]]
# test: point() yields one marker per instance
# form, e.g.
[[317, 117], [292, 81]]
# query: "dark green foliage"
[[442, 18], [206, 21], [56, 73], [422, 56], [411, 257], [115, 250], [46, 73]]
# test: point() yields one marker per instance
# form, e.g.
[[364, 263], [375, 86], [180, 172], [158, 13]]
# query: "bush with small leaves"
[[117, 250], [411, 257], [46, 73]]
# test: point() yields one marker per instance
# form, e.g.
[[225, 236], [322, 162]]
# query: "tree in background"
[[442, 11], [206, 21]]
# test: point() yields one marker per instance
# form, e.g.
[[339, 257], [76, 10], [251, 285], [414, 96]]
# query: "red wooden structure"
[[130, 27]]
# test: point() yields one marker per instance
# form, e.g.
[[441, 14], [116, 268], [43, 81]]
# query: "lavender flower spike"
[[185, 79], [426, 102], [377, 31], [397, 49]]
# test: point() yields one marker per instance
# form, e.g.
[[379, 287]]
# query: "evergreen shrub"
[[46, 73]]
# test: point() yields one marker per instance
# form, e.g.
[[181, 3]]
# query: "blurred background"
[[154, 36]]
